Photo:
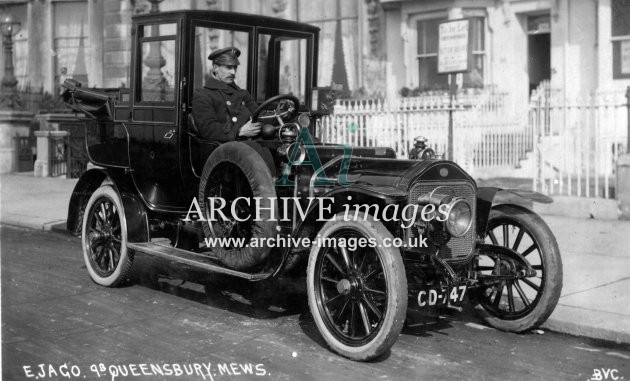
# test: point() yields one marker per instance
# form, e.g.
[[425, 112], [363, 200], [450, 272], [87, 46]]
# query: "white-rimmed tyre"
[[358, 298], [522, 304], [104, 238]]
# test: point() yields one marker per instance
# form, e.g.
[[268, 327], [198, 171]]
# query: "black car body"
[[144, 144]]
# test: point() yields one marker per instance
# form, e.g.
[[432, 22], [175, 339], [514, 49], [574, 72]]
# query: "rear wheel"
[[518, 305], [104, 238], [358, 298]]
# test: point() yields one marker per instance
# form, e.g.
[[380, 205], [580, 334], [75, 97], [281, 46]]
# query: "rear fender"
[[135, 212], [87, 184], [136, 216], [487, 197]]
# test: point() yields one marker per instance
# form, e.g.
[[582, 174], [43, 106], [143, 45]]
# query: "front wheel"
[[519, 304], [104, 238], [357, 295]]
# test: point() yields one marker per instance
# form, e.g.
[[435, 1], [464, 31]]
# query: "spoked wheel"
[[104, 238], [520, 304], [357, 295]]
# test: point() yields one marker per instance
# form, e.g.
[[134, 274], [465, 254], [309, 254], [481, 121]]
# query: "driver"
[[221, 109]]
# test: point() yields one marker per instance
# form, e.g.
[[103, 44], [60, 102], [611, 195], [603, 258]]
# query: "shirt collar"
[[214, 83]]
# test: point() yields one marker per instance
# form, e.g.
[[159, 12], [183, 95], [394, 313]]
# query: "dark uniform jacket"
[[220, 110]]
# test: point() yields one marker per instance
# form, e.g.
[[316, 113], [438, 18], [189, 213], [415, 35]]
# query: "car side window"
[[158, 63], [281, 66], [210, 38]]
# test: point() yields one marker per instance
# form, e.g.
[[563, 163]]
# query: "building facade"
[[373, 47], [580, 46], [89, 39]]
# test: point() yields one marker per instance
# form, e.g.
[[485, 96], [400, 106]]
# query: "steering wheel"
[[286, 109]]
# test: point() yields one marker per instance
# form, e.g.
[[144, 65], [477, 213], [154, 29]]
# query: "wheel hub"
[[348, 286], [505, 267], [344, 286], [107, 231]]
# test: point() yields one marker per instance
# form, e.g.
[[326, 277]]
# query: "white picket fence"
[[488, 131], [577, 142], [566, 146]]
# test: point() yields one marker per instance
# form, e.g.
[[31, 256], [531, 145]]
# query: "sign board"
[[455, 46]]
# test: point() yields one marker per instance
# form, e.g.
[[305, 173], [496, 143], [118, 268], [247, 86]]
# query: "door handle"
[[169, 134]]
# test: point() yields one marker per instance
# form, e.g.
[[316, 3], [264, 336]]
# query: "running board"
[[198, 261]]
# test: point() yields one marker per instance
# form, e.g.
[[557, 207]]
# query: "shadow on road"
[[269, 299]]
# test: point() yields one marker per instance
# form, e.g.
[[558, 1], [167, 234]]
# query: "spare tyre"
[[233, 178]]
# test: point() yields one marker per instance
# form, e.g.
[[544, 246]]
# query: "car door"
[[153, 129], [205, 37]]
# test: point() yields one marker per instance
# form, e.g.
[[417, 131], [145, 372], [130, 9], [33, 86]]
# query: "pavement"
[[34, 202], [595, 252]]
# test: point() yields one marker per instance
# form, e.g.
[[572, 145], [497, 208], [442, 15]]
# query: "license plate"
[[441, 296]]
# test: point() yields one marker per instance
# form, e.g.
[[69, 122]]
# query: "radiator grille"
[[456, 248]]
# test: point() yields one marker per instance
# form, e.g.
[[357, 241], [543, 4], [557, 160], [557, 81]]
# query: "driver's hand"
[[250, 129]]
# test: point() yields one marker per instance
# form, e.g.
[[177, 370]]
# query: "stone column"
[[116, 42], [12, 124], [37, 50], [42, 164], [48, 43], [95, 42], [395, 43], [154, 82]]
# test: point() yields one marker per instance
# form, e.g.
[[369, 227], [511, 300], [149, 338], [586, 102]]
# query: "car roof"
[[227, 17]]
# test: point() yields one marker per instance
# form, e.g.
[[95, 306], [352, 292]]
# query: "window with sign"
[[428, 37], [427, 56], [620, 10]]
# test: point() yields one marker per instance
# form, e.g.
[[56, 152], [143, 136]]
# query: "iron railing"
[[578, 142], [57, 161], [24, 146]]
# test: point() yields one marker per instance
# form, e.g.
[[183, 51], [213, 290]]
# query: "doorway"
[[538, 50]]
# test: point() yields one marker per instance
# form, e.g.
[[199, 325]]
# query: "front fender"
[[489, 196], [376, 197], [371, 197]]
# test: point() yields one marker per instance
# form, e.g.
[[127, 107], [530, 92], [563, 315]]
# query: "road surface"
[[58, 324]]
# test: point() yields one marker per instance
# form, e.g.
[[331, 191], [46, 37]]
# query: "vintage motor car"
[[154, 186]]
